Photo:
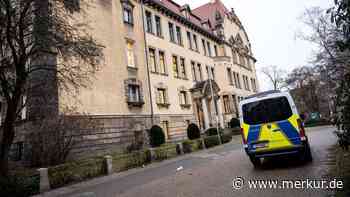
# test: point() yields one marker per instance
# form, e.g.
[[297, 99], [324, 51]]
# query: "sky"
[[272, 26]]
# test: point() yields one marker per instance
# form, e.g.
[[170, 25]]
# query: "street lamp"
[[214, 104]]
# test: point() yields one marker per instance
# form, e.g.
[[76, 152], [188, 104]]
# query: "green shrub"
[[123, 162], [211, 141], [234, 123], [225, 138], [193, 132], [165, 152], [213, 131], [16, 186], [76, 171], [157, 136], [192, 145]]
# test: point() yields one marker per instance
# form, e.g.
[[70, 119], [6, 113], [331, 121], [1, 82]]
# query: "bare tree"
[[43, 47], [275, 75]]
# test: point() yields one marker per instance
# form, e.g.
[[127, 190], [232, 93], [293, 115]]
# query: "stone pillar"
[[44, 180], [205, 113], [221, 117], [109, 164]]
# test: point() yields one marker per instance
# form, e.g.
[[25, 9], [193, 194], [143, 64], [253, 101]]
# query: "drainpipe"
[[147, 65]]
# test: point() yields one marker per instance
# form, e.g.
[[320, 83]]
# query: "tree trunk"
[[7, 140]]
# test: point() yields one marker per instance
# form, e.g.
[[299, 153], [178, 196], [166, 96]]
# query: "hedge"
[[19, 185], [192, 145], [131, 160], [76, 171], [165, 152], [211, 141]]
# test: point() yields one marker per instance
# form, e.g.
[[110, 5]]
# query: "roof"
[[208, 11]]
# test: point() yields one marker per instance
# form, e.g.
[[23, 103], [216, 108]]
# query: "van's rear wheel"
[[306, 155], [255, 161]]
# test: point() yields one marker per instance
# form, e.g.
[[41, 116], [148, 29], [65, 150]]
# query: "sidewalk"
[[169, 167]]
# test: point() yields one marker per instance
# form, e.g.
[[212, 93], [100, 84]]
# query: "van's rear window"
[[265, 111]]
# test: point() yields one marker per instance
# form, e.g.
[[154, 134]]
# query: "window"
[[266, 111], [130, 53], [237, 80], [189, 39], [200, 77], [227, 104], [171, 32], [195, 42], [175, 66], [134, 94], [128, 15], [183, 98], [209, 49], [183, 68], [229, 75], [161, 96], [152, 59], [194, 73], [204, 48], [208, 74], [216, 50], [162, 68], [158, 26], [241, 59], [178, 35], [234, 57], [149, 27], [253, 82]]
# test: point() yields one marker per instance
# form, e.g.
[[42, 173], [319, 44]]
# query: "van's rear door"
[[270, 124]]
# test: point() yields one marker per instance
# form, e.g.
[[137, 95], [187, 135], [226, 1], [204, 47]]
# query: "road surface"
[[211, 173]]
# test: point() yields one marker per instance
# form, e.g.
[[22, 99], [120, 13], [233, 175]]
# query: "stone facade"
[[159, 59]]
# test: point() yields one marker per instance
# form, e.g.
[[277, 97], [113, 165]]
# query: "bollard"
[[180, 148], [109, 164], [203, 143], [153, 154], [44, 180]]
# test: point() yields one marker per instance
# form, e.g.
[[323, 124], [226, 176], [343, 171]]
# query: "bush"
[[234, 123], [157, 136], [213, 131], [16, 186], [193, 132], [165, 152], [211, 141], [191, 145]]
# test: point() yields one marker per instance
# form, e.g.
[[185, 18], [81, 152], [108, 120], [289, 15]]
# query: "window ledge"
[[132, 68], [136, 103], [185, 106], [164, 105]]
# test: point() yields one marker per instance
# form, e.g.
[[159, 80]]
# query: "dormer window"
[[128, 16]]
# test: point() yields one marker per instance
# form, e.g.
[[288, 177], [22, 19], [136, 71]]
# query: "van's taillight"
[[243, 138], [301, 129]]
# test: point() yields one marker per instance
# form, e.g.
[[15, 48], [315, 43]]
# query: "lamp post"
[[214, 104]]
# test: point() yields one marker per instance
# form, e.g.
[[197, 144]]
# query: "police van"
[[271, 126]]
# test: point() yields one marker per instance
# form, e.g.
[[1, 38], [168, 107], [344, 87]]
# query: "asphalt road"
[[211, 172]]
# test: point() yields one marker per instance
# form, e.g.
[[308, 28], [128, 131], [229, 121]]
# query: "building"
[[166, 64], [188, 47]]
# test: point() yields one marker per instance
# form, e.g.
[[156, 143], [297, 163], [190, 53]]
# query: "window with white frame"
[[229, 75], [183, 68], [158, 26], [152, 59], [162, 96], [130, 53], [149, 23], [128, 7], [133, 89], [162, 67]]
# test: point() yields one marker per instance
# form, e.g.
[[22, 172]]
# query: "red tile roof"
[[208, 11]]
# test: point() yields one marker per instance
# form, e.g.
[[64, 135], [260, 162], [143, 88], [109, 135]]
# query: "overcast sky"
[[271, 26]]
